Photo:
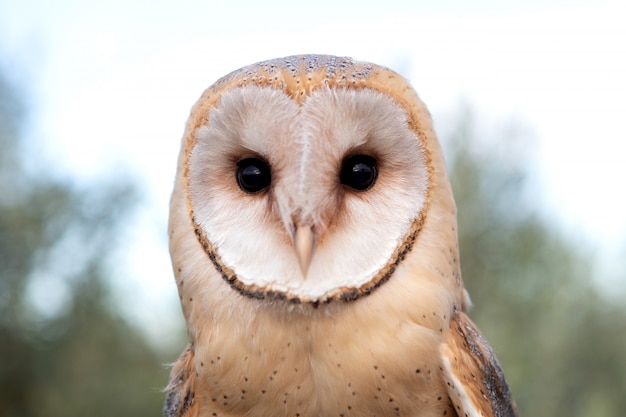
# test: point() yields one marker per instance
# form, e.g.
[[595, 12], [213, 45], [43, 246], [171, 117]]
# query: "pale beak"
[[304, 244]]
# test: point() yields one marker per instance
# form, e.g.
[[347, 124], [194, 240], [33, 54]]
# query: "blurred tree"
[[561, 343], [63, 351]]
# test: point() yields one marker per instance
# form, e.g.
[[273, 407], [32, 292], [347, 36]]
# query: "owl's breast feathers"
[[462, 379]]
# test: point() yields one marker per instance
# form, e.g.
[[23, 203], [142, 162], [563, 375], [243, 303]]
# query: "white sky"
[[112, 85]]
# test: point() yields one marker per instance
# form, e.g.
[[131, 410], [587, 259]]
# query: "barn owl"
[[313, 240]]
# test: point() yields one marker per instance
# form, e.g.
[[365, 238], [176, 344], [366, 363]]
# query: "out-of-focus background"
[[528, 100]]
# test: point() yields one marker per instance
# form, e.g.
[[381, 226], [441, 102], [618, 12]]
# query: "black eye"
[[253, 175], [359, 172]]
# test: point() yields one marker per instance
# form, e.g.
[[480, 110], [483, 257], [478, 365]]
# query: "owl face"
[[304, 181]]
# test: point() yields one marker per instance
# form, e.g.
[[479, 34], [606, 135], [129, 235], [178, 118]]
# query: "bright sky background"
[[112, 83]]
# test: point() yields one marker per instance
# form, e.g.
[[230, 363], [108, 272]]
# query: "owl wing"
[[475, 381], [180, 392]]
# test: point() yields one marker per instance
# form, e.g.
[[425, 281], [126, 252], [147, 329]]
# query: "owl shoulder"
[[180, 391], [474, 379]]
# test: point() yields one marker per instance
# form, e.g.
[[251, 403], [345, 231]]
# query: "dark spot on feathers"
[[187, 402]]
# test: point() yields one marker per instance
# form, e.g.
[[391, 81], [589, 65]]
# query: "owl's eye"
[[253, 175], [359, 172]]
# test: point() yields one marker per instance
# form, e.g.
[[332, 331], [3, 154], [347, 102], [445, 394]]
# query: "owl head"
[[309, 179]]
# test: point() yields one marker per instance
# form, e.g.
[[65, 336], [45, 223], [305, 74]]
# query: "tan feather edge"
[[179, 400], [298, 84], [474, 378]]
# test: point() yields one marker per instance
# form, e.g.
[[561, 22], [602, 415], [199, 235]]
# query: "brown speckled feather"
[[475, 381], [179, 401]]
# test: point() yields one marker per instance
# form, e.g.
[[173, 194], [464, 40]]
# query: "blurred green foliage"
[[77, 357], [561, 343]]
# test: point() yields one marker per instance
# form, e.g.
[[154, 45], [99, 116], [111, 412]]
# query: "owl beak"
[[304, 244]]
